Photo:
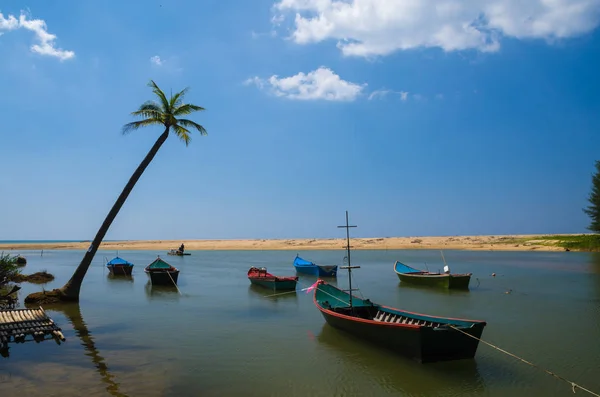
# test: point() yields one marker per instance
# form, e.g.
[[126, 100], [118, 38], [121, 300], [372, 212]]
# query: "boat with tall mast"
[[422, 337]]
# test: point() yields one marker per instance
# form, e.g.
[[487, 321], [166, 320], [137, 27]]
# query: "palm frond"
[[186, 109], [177, 98], [192, 124], [134, 125], [149, 109], [150, 105], [182, 133], [160, 94]]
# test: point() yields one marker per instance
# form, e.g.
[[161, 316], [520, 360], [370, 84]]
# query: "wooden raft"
[[16, 325]]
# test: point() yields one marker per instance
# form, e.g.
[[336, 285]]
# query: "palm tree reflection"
[[73, 313]]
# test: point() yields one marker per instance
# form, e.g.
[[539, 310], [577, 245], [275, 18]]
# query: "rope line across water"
[[573, 384]]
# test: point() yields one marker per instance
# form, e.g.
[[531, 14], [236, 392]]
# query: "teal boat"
[[422, 337], [414, 276], [161, 273]]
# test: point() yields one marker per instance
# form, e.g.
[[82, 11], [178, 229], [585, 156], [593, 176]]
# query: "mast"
[[349, 267]]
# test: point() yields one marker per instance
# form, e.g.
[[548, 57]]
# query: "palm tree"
[[164, 112]]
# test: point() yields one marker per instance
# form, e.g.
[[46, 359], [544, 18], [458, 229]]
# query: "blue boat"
[[119, 266], [306, 267]]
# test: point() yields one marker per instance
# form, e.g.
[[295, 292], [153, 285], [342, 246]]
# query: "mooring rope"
[[294, 291], [573, 384], [281, 293], [174, 283]]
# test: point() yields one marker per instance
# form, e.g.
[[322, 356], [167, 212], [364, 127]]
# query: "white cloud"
[[378, 94], [379, 27], [155, 60], [383, 93], [257, 35], [45, 45], [321, 83]]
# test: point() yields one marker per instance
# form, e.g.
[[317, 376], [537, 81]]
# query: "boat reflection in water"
[[428, 290], [161, 292], [391, 371], [261, 293], [119, 278]]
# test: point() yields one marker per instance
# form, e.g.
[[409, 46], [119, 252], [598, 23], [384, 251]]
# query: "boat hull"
[[164, 277], [451, 281], [178, 253], [422, 343], [274, 285], [318, 270], [424, 346], [413, 276], [262, 278], [120, 270], [307, 267]]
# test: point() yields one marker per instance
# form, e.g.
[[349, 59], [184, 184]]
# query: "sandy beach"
[[489, 243]]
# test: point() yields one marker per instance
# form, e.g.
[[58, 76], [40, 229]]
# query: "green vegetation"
[[8, 268], [593, 210], [581, 242], [572, 242], [164, 112]]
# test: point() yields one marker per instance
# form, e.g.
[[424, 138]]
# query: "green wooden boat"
[[414, 276], [162, 273], [422, 337]]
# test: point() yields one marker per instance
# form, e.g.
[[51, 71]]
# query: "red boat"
[[259, 276]]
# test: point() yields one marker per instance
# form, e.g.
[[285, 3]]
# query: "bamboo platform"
[[16, 325]]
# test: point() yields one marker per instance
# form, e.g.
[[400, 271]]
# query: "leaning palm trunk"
[[70, 290], [166, 113]]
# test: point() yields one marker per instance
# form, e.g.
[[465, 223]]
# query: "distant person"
[[181, 248]]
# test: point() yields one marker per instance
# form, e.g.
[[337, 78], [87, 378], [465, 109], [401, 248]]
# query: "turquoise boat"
[[414, 276], [306, 267], [161, 273], [422, 337]]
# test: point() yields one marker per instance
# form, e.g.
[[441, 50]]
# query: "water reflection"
[[161, 292], [434, 290], [274, 296], [595, 270], [595, 263], [119, 278], [392, 371], [73, 313]]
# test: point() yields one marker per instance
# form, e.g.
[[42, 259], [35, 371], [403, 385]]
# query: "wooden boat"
[[261, 277], [161, 273], [306, 267], [177, 252], [422, 337], [119, 266], [411, 275]]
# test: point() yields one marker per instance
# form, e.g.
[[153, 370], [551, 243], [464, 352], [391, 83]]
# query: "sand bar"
[[487, 243]]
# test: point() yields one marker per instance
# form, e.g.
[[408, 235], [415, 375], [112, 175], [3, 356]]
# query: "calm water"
[[222, 337]]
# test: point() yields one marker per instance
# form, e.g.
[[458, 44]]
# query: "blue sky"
[[420, 118]]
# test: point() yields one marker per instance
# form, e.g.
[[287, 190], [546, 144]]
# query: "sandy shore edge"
[[488, 243]]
